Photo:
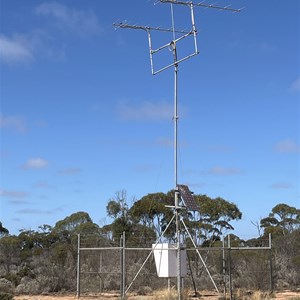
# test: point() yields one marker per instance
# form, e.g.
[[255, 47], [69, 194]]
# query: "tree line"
[[44, 260]]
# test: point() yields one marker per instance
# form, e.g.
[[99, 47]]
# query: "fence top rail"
[[250, 248], [164, 249], [100, 248]]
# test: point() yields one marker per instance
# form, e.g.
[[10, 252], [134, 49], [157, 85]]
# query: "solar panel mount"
[[187, 197]]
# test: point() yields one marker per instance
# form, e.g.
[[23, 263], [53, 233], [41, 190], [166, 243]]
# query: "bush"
[[28, 286], [144, 291], [13, 278], [5, 286], [6, 296]]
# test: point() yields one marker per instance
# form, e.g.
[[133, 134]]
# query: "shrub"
[[6, 296], [144, 290], [5, 286]]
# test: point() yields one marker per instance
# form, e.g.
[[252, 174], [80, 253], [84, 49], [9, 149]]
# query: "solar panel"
[[187, 197]]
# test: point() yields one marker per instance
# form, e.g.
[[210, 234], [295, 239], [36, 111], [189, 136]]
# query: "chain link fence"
[[114, 267]]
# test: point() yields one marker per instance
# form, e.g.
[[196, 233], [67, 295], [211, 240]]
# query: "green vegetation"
[[44, 260]]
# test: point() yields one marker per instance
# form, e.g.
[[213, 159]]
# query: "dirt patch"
[[206, 295], [287, 295]]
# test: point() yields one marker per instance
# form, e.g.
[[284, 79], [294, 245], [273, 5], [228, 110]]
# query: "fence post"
[[78, 266], [100, 270], [229, 268], [271, 262], [121, 268], [122, 265], [224, 268]]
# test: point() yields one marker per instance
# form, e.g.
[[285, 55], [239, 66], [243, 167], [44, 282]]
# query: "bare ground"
[[205, 295]]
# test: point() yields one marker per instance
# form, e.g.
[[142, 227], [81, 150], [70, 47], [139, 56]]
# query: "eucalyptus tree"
[[283, 222], [283, 219], [3, 230], [213, 219], [151, 211]]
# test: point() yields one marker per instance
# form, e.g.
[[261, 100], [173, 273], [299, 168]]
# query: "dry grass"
[[170, 295], [253, 295], [165, 295]]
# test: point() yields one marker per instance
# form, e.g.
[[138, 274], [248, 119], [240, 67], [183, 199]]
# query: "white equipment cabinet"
[[165, 256]]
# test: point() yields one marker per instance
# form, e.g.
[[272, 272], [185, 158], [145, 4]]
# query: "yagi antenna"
[[182, 192], [228, 7], [184, 33]]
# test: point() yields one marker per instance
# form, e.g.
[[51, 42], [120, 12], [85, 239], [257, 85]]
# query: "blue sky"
[[82, 117]]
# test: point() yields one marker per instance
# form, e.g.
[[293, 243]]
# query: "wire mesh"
[[234, 266]]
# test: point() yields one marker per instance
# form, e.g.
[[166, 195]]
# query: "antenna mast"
[[181, 191]]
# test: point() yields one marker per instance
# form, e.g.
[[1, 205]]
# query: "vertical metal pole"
[[229, 268], [178, 248], [224, 268], [176, 200], [271, 262], [100, 270], [124, 264], [78, 266], [121, 266], [173, 44], [178, 258]]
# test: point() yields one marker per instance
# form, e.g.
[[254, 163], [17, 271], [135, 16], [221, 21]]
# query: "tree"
[[151, 211], [117, 209], [214, 218], [283, 219], [71, 222], [3, 230], [9, 252]]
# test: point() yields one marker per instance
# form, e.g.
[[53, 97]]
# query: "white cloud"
[[69, 19], [146, 168], [36, 211], [164, 142], [295, 85], [145, 111], [13, 194], [281, 185], [13, 122], [219, 148], [35, 163], [217, 170], [70, 171], [287, 146], [25, 47], [14, 50], [42, 185]]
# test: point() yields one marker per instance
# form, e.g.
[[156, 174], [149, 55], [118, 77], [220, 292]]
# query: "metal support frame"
[[176, 62], [202, 260]]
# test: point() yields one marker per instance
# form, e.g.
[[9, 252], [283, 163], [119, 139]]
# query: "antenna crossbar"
[[173, 42], [148, 28], [190, 3]]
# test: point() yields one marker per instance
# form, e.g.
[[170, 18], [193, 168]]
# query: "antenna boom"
[[201, 4], [147, 28]]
